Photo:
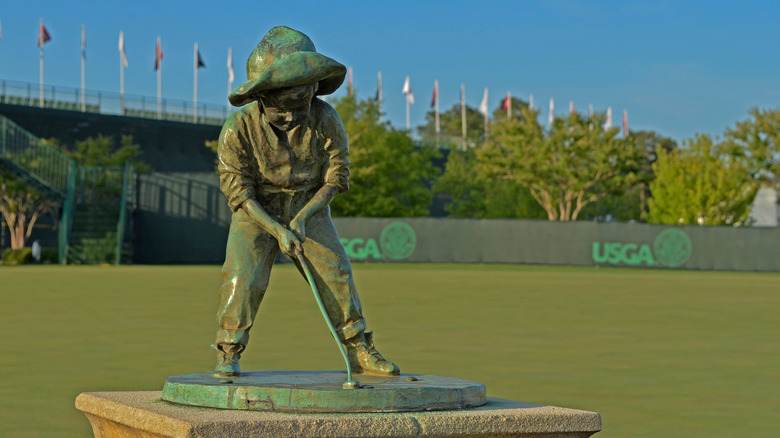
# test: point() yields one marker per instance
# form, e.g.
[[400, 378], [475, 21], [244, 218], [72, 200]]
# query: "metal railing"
[[124, 219], [99, 185], [58, 177], [111, 103], [66, 219], [41, 161]]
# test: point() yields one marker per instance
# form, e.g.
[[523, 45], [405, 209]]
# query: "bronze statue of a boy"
[[282, 158]]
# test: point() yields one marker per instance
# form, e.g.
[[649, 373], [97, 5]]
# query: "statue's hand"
[[298, 226], [289, 243]]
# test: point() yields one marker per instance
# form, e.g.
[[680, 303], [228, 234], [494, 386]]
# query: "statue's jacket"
[[258, 161]]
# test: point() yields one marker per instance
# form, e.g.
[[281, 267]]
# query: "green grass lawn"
[[656, 352]]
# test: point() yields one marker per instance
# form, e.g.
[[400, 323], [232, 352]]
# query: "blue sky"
[[678, 67]]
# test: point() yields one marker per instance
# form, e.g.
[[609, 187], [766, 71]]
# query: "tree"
[[757, 140], [574, 163], [516, 111], [472, 194], [101, 151], [450, 122], [391, 177], [700, 184], [631, 202], [21, 207], [213, 146]]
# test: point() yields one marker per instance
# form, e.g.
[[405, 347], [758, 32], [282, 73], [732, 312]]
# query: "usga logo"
[[671, 247], [397, 242]]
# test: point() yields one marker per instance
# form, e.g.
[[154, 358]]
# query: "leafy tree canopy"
[[757, 141], [102, 151], [701, 184], [451, 124], [566, 167], [391, 177], [472, 194]]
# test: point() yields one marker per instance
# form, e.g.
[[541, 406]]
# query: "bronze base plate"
[[323, 391]]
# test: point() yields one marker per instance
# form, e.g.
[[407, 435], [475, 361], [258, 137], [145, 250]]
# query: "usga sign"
[[397, 241], [672, 247]]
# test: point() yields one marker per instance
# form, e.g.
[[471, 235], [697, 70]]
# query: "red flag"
[[625, 123], [435, 93], [43, 34], [158, 55], [507, 102]]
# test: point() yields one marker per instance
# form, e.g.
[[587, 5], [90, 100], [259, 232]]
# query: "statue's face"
[[286, 108]]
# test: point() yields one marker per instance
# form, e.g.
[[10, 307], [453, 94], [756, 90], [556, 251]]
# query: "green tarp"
[[184, 218]]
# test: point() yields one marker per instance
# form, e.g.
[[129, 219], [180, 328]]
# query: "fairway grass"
[[656, 352]]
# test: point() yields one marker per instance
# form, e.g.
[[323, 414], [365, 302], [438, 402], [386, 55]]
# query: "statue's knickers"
[[250, 256]]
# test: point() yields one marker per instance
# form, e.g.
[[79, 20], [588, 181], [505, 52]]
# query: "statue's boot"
[[364, 358], [227, 360]]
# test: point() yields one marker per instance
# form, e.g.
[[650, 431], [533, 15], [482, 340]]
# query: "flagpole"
[[551, 116], [41, 42], [625, 123], [230, 76], [463, 113], [121, 73], [349, 82], [41, 88], [590, 116], [408, 124], [438, 126], [195, 86], [159, 92], [407, 91], [122, 85], [1, 38], [83, 68], [487, 110], [159, 83], [379, 94]]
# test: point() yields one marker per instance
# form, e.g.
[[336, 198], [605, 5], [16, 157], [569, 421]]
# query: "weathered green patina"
[[282, 158], [321, 391]]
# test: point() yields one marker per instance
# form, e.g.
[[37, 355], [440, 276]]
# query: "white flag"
[[231, 73], [122, 53], [407, 90], [608, 125], [483, 106]]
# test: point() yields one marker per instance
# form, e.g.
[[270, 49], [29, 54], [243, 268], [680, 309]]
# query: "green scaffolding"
[[72, 187]]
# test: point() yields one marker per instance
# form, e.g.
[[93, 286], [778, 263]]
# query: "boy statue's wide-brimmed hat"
[[287, 58]]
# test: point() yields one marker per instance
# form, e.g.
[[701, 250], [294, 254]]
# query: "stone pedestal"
[[145, 414]]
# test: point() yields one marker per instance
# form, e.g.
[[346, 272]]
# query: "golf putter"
[[349, 384]]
